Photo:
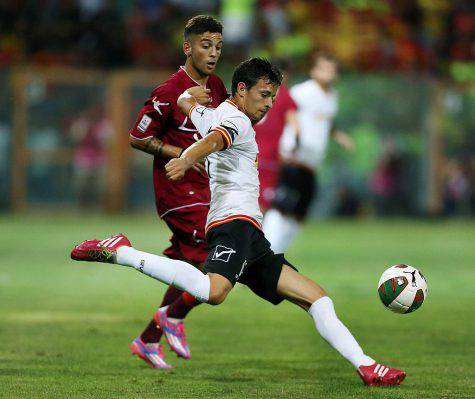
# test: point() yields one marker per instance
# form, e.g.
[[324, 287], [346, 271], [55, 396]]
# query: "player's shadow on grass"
[[229, 379]]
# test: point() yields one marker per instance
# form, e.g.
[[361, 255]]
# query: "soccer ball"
[[402, 288]]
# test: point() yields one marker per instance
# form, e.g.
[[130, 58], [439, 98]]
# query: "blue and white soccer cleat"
[[151, 353]]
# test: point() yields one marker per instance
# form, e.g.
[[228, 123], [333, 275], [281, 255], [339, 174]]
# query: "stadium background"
[[407, 97], [406, 92]]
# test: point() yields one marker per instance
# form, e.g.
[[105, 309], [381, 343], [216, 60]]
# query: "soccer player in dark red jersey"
[[268, 132], [164, 132]]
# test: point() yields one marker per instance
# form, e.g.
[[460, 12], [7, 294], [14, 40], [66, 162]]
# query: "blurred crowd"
[[423, 36], [420, 35]]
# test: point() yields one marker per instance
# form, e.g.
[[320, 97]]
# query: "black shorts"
[[295, 191], [239, 251]]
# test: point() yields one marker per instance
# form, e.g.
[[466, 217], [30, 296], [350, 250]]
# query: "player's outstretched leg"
[[117, 249], [309, 295]]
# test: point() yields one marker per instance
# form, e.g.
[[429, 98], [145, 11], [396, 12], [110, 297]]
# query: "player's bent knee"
[[219, 288], [217, 297]]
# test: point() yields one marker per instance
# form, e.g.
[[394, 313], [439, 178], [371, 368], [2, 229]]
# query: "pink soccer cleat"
[[380, 375], [151, 353], [99, 251], [174, 332]]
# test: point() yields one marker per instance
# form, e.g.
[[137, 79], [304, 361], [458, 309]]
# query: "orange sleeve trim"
[[191, 110]]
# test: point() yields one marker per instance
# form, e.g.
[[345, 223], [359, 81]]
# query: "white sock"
[[279, 229], [180, 274], [335, 332]]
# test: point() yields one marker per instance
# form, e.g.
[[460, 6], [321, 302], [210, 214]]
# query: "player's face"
[[324, 71], [204, 51], [258, 100]]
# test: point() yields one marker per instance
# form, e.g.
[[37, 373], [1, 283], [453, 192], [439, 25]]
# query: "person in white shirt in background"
[[302, 147]]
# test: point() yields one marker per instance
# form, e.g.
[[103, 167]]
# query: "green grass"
[[65, 327]]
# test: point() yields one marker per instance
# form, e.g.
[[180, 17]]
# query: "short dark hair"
[[200, 24], [250, 71]]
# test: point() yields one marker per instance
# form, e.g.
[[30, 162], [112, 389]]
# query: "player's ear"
[[187, 48], [241, 88]]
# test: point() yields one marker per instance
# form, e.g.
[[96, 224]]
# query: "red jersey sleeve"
[[155, 115], [224, 92], [288, 102]]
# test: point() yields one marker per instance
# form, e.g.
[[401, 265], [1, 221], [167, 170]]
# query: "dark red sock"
[[180, 308], [152, 333]]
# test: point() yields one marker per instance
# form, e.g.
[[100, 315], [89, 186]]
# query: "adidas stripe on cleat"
[[378, 374], [99, 251]]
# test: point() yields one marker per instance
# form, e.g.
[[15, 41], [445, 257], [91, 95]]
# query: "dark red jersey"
[[268, 132], [269, 129], [161, 118]]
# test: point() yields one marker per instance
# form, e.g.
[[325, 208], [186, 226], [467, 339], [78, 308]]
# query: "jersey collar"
[[229, 101], [183, 72]]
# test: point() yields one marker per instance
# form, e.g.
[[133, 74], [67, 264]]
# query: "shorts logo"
[[144, 123], [222, 253], [242, 270]]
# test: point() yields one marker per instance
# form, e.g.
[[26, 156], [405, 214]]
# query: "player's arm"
[[342, 138], [292, 119], [176, 168], [155, 146], [154, 117], [192, 97]]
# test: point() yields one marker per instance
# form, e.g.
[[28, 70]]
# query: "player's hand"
[[199, 167], [201, 94], [176, 168]]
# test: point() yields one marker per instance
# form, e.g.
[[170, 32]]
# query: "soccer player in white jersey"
[[238, 249], [302, 148]]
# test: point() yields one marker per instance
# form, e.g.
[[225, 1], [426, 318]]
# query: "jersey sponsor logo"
[[156, 105], [201, 111], [222, 253], [144, 123]]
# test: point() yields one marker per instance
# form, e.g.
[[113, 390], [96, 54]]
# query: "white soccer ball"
[[402, 288]]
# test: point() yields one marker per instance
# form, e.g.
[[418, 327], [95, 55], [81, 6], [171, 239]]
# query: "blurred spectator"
[[348, 202], [89, 134], [371, 35], [389, 185], [458, 188], [275, 17]]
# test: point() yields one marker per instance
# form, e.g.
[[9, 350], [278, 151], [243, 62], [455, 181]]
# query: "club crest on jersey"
[[222, 253], [156, 105]]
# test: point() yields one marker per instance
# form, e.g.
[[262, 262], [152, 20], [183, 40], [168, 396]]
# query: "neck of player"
[[239, 103], [195, 74]]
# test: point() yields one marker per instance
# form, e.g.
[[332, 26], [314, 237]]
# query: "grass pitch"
[[65, 327]]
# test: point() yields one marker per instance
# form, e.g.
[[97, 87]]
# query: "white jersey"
[[234, 179], [316, 109]]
